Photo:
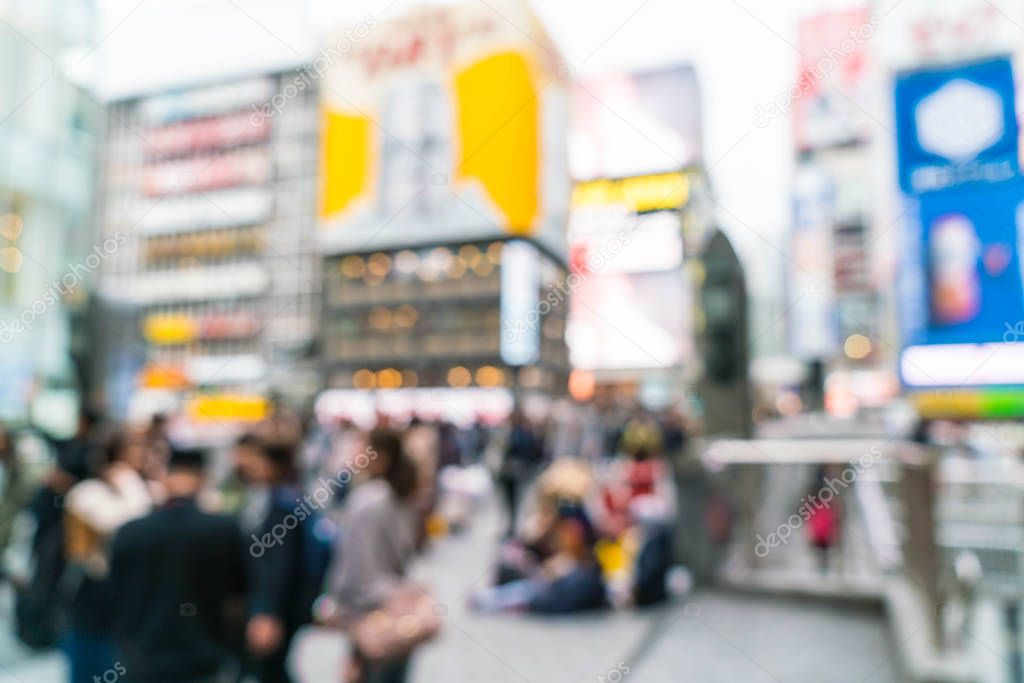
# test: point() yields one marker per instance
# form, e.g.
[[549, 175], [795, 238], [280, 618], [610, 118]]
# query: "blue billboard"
[[956, 125], [962, 288]]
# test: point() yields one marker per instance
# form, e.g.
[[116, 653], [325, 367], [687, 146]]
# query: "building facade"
[[212, 190], [47, 157]]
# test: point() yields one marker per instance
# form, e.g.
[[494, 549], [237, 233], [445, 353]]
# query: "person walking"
[[39, 603], [379, 535], [16, 486], [271, 517], [96, 508], [523, 454], [179, 584]]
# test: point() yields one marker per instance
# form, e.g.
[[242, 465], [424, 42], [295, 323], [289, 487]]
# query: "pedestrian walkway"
[[713, 637]]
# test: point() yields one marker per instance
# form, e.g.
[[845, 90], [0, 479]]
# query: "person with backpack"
[[287, 563]]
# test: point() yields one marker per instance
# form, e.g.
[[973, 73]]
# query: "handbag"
[[404, 621]]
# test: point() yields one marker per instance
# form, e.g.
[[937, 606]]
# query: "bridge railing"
[[925, 533]]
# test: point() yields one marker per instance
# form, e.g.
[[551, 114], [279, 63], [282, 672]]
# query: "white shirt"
[[107, 506]]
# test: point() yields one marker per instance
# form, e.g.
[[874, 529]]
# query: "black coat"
[[276, 580], [178, 576]]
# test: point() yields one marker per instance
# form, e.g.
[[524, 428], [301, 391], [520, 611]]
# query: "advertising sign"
[[447, 124], [629, 124], [961, 289], [930, 31], [812, 314], [210, 100], [832, 91], [630, 321], [956, 125], [520, 282], [630, 307], [631, 221]]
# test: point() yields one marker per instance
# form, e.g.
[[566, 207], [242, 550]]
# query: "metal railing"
[[920, 531]]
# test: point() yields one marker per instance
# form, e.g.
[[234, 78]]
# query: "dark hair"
[[190, 459], [110, 450], [279, 451], [6, 443], [281, 454], [401, 472], [89, 416], [574, 512], [248, 440]]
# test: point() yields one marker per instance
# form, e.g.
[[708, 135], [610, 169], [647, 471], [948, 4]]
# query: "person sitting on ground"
[[568, 581], [567, 480], [636, 517]]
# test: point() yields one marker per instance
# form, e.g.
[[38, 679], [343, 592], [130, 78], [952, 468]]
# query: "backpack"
[[39, 606]]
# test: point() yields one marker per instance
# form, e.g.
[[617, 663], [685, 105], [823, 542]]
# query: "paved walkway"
[[710, 638]]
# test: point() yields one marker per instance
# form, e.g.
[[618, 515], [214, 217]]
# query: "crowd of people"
[[163, 563]]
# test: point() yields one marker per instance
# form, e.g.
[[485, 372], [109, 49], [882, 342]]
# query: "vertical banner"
[[520, 310]]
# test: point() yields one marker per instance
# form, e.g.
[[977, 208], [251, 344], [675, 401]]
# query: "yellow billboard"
[[446, 124]]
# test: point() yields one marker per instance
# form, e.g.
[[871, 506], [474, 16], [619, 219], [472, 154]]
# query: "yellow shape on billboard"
[[498, 119], [641, 194], [170, 329], [345, 162], [228, 407], [442, 125]]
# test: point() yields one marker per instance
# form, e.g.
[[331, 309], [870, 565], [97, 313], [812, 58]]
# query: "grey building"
[[213, 190]]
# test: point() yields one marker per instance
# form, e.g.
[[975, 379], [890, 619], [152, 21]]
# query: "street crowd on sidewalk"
[[155, 562]]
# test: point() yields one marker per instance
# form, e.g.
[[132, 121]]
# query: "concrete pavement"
[[710, 637]]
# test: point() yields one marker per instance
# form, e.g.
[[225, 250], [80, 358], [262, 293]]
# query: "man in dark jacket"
[[179, 578], [274, 519]]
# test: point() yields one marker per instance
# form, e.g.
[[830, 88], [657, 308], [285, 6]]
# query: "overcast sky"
[[743, 52]]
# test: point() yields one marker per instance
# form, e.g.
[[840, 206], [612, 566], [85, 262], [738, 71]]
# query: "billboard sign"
[[812, 314], [634, 146], [447, 124], [629, 278], [956, 125], [520, 312], [941, 31], [639, 123], [961, 289], [832, 91]]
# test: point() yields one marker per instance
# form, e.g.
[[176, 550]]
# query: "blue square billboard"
[[956, 125], [962, 290]]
